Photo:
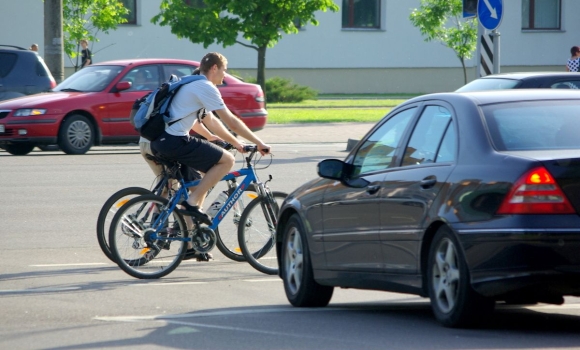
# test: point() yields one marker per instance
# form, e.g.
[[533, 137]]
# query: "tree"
[[433, 16], [84, 19], [259, 22]]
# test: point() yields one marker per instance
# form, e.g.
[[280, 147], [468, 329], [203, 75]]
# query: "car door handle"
[[373, 189], [428, 182]]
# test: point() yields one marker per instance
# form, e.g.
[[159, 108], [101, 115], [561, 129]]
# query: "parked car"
[[22, 72], [92, 106], [466, 198], [527, 80]]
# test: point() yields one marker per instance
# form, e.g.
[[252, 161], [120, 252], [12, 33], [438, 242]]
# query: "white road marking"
[[164, 284], [39, 290], [61, 265], [265, 280]]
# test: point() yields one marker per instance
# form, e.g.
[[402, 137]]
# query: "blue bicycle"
[[149, 238]]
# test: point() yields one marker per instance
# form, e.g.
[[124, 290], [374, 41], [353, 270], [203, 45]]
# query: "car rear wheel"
[[19, 149], [453, 300], [296, 269], [76, 135]]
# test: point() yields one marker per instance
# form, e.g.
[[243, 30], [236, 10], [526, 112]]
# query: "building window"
[[541, 14], [130, 5], [361, 14]]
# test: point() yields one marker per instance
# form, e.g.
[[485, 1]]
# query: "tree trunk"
[[262, 67], [464, 70]]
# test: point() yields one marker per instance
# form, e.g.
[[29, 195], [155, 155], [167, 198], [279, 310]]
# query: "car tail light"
[[259, 96], [52, 83], [536, 192]]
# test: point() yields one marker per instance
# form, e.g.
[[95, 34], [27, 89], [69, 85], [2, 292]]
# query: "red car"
[[92, 106]]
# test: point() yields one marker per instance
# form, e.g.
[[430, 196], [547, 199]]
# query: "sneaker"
[[194, 254], [195, 212]]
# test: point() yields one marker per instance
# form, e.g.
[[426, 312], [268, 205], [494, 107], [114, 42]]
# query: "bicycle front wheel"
[[257, 232], [227, 231], [132, 247], [108, 211]]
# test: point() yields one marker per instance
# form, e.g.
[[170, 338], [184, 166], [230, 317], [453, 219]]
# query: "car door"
[[410, 189], [144, 79], [351, 209]]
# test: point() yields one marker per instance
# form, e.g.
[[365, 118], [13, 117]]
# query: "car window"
[[448, 149], [427, 135], [573, 84], [378, 150], [489, 84], [90, 79], [7, 61], [176, 69], [534, 125], [143, 78]]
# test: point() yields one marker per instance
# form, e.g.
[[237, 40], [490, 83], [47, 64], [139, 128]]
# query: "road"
[[58, 291]]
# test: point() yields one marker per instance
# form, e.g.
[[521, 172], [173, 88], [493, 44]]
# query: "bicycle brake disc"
[[204, 239]]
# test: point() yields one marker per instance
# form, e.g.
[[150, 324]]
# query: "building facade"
[[368, 46]]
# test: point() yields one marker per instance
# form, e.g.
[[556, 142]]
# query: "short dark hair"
[[574, 50], [210, 59]]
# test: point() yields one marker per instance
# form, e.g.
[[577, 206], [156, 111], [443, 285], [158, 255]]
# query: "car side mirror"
[[123, 85], [333, 169]]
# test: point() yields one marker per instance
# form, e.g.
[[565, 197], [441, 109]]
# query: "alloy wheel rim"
[[446, 276], [293, 261]]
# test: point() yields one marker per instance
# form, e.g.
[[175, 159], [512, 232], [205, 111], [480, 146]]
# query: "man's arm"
[[238, 127]]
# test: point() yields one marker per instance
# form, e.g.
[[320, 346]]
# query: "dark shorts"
[[188, 150]]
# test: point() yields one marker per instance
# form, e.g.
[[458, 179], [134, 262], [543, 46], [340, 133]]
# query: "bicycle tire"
[[108, 211], [128, 238], [227, 231], [257, 233]]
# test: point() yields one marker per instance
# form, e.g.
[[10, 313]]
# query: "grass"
[[329, 110]]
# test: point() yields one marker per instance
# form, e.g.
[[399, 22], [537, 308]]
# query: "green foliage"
[[433, 16], [259, 22], [284, 90], [84, 19]]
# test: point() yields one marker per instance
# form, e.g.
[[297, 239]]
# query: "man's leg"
[[211, 178]]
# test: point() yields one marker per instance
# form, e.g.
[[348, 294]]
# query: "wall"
[[331, 60]]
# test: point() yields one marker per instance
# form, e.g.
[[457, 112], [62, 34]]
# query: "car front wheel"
[[296, 269], [76, 135], [453, 300]]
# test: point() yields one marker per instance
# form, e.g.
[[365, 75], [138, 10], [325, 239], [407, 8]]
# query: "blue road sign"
[[489, 13]]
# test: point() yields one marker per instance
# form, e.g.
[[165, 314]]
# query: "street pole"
[[496, 55], [53, 39]]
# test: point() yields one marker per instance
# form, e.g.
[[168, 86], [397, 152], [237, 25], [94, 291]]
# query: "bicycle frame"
[[250, 177]]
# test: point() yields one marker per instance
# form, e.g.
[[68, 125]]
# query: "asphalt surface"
[[314, 133]]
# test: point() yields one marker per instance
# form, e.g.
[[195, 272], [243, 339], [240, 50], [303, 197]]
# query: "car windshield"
[[534, 125], [489, 84], [90, 79]]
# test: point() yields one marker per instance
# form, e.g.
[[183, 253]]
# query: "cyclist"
[[194, 103]]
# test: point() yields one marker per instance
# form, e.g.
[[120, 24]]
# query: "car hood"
[[37, 100]]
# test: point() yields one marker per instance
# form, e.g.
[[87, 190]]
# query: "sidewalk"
[[314, 133]]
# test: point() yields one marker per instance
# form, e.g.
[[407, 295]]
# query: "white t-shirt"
[[188, 101]]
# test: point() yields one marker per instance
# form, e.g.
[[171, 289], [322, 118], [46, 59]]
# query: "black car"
[[22, 72], [527, 80], [466, 198]]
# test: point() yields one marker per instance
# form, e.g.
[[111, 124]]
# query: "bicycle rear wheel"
[[108, 211], [257, 232], [133, 249]]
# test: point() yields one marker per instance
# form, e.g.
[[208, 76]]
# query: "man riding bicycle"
[[194, 103]]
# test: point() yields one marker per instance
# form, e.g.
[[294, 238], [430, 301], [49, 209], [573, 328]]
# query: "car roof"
[[526, 75], [130, 61], [501, 96]]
